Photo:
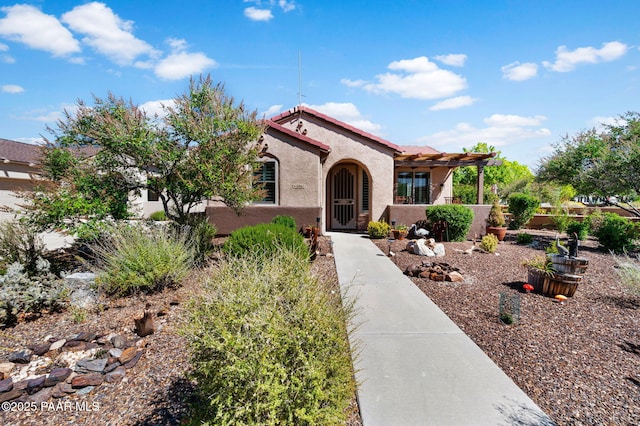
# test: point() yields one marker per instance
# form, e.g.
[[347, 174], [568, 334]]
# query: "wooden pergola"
[[452, 160]]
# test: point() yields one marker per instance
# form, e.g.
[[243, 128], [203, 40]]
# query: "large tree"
[[205, 146], [601, 163]]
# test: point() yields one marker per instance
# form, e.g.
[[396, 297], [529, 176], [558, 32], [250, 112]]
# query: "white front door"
[[343, 197]]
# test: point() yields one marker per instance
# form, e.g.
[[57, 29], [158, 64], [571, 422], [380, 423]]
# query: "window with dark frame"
[[267, 181], [412, 187], [152, 195]]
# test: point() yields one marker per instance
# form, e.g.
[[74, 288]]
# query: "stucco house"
[[323, 171], [315, 168], [19, 168]]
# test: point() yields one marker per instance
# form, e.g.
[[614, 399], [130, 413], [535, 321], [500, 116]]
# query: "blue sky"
[[518, 75]]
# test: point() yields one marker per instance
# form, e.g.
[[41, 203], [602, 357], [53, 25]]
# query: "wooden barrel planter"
[[568, 275], [538, 279], [565, 284], [569, 265]]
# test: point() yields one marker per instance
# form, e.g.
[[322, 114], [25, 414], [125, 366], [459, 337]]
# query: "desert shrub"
[[159, 216], [268, 344], [524, 238], [489, 243], [23, 293], [561, 220], [522, 208], [628, 269], [617, 233], [579, 228], [20, 243], [378, 229], [287, 221], [134, 259], [595, 220], [458, 218], [200, 233], [265, 239]]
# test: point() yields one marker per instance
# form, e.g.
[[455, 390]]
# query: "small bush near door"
[[378, 230]]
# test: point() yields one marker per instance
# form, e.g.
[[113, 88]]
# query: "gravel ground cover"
[[157, 390], [579, 361]]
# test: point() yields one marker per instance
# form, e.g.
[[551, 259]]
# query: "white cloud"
[[4, 47], [271, 111], [516, 71], [501, 130], [600, 123], [258, 14], [263, 11], [507, 120], [107, 33], [348, 113], [286, 6], [28, 25], [567, 60], [12, 88], [417, 78], [455, 60], [453, 103], [352, 83], [181, 65], [50, 116], [157, 108]]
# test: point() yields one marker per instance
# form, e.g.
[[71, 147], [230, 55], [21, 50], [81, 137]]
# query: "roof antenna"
[[300, 95]]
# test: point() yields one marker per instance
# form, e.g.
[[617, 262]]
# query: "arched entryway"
[[348, 197]]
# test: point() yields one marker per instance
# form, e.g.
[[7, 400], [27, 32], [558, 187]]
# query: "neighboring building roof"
[[414, 149], [19, 152], [306, 110], [299, 136]]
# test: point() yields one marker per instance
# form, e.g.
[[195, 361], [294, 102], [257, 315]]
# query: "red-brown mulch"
[[579, 361]]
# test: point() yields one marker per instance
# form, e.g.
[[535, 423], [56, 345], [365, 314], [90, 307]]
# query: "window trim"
[[412, 172], [276, 182]]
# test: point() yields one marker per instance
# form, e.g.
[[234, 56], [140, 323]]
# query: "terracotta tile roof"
[[299, 136], [306, 110], [19, 152]]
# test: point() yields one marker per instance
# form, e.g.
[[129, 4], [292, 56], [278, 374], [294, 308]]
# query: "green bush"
[[617, 233], [159, 216], [378, 230], [561, 220], [134, 259], [23, 293], [265, 239], [489, 243], [287, 221], [579, 228], [522, 208], [524, 238], [268, 345], [458, 218]]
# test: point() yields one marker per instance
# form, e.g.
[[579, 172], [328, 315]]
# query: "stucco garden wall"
[[226, 220], [408, 214]]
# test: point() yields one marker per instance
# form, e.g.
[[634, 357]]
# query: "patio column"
[[480, 184]]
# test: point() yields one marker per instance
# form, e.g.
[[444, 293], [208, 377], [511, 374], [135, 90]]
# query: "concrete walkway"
[[415, 366]]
